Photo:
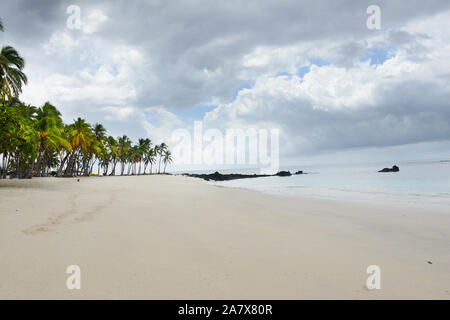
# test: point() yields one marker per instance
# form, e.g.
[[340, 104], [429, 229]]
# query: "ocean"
[[417, 182]]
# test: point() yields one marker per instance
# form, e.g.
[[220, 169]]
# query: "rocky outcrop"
[[393, 169], [216, 176], [283, 173]]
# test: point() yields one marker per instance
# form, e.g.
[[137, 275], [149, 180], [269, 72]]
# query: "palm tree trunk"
[[17, 164], [92, 166], [37, 168], [5, 165], [70, 165], [159, 166], [145, 167], [113, 172], [59, 173]]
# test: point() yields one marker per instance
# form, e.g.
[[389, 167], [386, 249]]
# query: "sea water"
[[417, 181]]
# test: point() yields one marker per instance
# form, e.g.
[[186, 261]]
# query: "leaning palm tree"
[[49, 125], [99, 133], [11, 76], [167, 159], [112, 154], [123, 156], [161, 149], [149, 158], [80, 137], [143, 146]]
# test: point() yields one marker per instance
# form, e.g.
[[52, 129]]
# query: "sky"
[[335, 89]]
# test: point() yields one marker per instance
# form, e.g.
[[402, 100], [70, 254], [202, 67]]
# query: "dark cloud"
[[182, 38]]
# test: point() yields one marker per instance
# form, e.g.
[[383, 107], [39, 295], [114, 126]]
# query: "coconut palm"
[[160, 151], [80, 137], [11, 76], [49, 125], [17, 138], [167, 159], [99, 134], [123, 153], [143, 146], [149, 158], [112, 153]]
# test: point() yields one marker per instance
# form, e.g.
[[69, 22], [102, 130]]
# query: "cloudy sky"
[[334, 88]]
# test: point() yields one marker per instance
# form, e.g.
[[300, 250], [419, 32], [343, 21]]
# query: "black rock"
[[283, 173], [393, 169], [216, 176], [299, 172]]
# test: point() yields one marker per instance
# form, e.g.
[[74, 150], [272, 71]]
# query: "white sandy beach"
[[173, 237]]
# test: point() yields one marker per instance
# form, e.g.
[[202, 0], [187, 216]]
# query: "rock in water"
[[216, 176], [284, 173], [393, 169]]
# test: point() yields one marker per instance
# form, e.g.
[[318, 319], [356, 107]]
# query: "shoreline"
[[363, 197], [172, 237]]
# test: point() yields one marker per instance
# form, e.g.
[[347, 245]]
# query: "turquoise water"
[[417, 181]]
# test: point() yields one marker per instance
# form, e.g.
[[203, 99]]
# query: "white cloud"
[[398, 102], [160, 123], [92, 21], [118, 113]]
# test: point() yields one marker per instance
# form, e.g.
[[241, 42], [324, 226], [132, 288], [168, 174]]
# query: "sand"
[[173, 237]]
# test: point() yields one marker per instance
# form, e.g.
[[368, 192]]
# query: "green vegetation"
[[35, 141]]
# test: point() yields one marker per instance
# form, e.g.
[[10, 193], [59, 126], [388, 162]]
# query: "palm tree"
[[124, 147], [160, 151], [149, 157], [167, 159], [49, 125], [112, 154], [143, 146], [18, 137], [11, 76], [99, 133], [80, 137]]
